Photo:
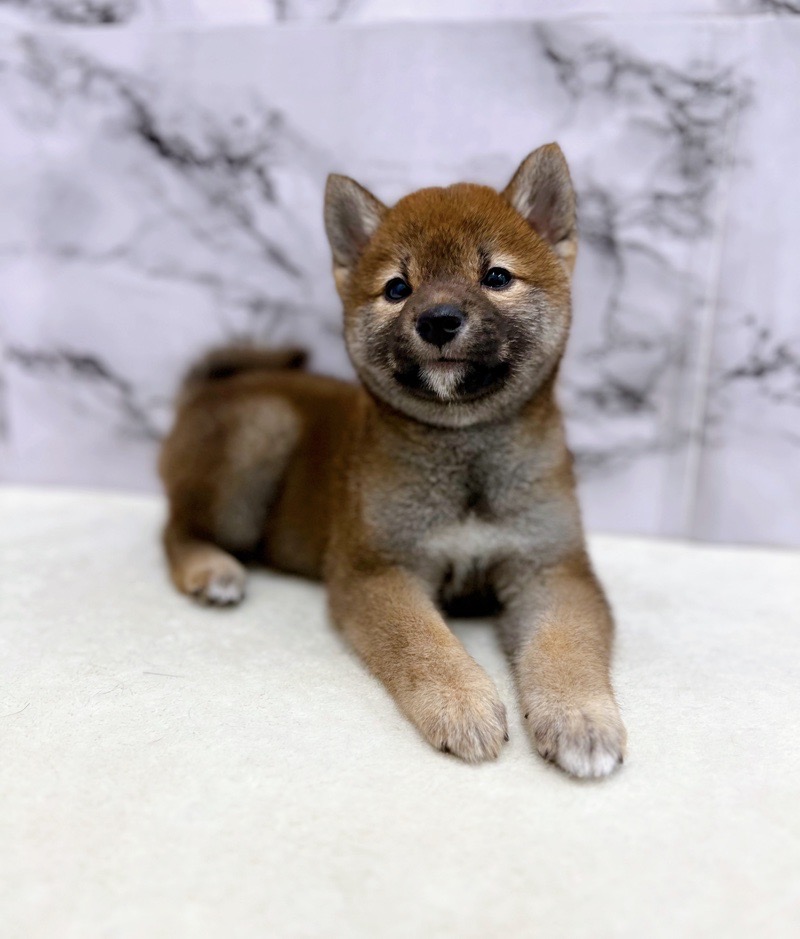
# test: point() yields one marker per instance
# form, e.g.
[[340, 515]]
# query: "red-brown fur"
[[443, 475]]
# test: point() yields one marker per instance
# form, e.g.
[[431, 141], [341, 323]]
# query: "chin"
[[452, 381]]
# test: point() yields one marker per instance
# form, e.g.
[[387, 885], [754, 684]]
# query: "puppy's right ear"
[[352, 216]]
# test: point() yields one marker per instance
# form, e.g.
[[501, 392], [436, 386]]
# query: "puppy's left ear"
[[541, 191]]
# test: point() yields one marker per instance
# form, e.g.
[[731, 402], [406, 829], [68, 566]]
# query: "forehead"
[[461, 228]]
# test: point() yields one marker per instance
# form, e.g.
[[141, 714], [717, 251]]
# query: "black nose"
[[440, 324]]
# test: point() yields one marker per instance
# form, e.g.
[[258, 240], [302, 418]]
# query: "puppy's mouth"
[[451, 380]]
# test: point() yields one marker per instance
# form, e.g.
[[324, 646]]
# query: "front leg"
[[394, 625], [557, 630]]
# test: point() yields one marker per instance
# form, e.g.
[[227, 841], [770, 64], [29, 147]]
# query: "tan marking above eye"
[[502, 260]]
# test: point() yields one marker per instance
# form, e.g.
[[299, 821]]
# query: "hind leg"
[[202, 570], [221, 465]]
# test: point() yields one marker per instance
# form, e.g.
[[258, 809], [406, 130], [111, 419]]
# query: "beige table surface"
[[172, 771]]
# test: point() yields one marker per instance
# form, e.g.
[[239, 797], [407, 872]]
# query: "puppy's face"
[[456, 300]]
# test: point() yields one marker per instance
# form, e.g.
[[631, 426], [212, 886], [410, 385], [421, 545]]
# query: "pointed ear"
[[541, 191], [351, 217]]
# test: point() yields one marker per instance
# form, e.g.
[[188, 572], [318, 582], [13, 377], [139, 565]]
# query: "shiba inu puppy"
[[442, 480]]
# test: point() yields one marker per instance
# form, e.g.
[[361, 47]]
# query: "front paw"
[[586, 740], [463, 715]]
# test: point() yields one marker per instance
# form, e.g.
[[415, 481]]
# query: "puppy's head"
[[457, 301]]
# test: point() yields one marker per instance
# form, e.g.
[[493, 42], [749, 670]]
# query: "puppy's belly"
[[459, 557]]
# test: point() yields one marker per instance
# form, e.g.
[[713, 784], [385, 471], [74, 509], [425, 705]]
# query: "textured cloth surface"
[[173, 771]]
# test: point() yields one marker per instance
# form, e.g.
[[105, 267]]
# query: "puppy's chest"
[[461, 518], [474, 542]]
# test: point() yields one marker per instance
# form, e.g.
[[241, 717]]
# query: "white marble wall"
[[161, 172]]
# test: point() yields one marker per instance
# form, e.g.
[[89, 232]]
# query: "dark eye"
[[497, 278], [397, 289]]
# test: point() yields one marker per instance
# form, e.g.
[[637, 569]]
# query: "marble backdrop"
[[162, 164]]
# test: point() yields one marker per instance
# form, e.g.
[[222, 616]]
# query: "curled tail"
[[227, 361]]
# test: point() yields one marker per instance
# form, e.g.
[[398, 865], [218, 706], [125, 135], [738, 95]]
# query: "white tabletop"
[[173, 771]]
